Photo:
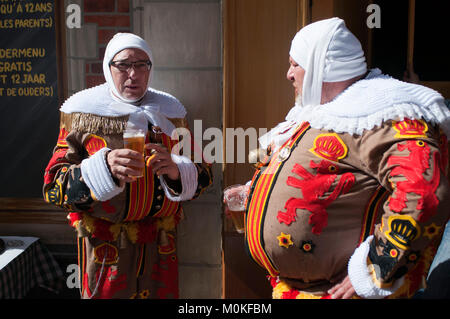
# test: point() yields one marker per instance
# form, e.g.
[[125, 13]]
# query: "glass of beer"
[[134, 139], [235, 197]]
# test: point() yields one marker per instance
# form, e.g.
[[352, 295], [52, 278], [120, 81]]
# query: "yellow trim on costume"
[[115, 229], [53, 194], [373, 274], [430, 234], [420, 143], [284, 240], [169, 248], [413, 279], [88, 223], [108, 261], [282, 287], [132, 231], [393, 253], [167, 223], [403, 229], [370, 213], [258, 203], [144, 294], [93, 196], [61, 142], [410, 128], [141, 261], [330, 147]]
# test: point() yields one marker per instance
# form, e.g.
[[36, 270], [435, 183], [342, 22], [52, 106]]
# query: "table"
[[25, 264]]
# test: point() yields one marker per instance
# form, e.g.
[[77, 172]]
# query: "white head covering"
[[104, 100], [119, 42], [328, 52]]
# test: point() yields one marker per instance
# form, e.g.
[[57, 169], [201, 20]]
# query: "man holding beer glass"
[[113, 171]]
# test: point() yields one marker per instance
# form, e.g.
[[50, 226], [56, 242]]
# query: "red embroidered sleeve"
[[412, 170], [63, 185]]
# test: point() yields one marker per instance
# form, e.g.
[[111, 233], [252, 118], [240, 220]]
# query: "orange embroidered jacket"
[[379, 199]]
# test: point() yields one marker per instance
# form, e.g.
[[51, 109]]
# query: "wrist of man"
[[115, 179], [188, 179]]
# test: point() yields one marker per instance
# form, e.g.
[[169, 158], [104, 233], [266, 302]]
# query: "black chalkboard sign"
[[29, 116]]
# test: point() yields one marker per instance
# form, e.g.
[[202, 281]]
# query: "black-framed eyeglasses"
[[125, 66]]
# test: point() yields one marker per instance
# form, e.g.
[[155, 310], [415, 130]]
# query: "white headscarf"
[[328, 52], [104, 100], [119, 42]]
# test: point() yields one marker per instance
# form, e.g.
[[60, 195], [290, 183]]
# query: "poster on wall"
[[29, 117]]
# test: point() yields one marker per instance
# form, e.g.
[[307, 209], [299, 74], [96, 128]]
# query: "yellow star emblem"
[[144, 294], [431, 230], [284, 240]]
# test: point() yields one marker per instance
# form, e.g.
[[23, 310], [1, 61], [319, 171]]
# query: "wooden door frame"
[[229, 69], [229, 99]]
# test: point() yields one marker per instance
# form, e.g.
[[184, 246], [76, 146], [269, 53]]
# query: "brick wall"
[[110, 17]]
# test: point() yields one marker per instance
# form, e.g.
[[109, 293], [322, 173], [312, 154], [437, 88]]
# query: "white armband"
[[361, 276], [98, 178], [188, 176]]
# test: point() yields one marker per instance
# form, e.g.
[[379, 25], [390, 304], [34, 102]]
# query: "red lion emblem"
[[412, 167], [313, 189]]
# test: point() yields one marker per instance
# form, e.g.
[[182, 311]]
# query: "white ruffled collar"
[[374, 100], [157, 106], [364, 105]]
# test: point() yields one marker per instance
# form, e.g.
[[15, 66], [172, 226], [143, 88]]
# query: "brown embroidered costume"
[[126, 231], [353, 196]]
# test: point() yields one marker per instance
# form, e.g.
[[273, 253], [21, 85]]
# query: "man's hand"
[[161, 162], [125, 164], [237, 189], [343, 290]]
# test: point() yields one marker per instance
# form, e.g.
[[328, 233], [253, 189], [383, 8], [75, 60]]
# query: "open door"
[[257, 38]]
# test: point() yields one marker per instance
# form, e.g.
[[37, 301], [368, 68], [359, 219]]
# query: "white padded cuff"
[[361, 278], [97, 176], [189, 179]]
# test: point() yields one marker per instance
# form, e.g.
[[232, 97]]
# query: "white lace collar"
[[156, 106], [364, 105], [374, 100]]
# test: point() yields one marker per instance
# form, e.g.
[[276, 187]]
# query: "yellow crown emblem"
[[330, 147], [402, 230], [410, 128], [106, 253], [62, 138]]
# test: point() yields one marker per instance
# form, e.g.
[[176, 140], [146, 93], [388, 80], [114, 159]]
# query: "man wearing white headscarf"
[[126, 225], [352, 196]]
